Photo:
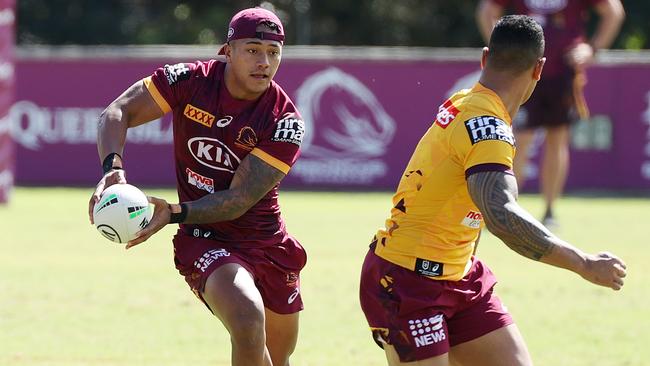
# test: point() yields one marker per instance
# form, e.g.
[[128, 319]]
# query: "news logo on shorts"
[[209, 257], [289, 129], [427, 331], [484, 128]]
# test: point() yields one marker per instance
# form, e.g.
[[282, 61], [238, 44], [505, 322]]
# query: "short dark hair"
[[516, 43]]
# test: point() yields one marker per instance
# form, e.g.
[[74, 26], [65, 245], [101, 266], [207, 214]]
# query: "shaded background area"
[[333, 22]]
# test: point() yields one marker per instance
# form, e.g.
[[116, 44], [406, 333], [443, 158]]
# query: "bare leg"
[[524, 140], [502, 347], [393, 359], [231, 294], [555, 166], [281, 336]]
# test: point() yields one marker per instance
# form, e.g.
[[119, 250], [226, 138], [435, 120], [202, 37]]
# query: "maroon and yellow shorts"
[[275, 269], [423, 318]]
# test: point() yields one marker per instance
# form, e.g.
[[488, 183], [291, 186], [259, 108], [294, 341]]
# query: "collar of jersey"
[[480, 88]]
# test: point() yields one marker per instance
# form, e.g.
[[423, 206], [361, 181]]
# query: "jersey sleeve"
[[484, 143], [280, 145], [169, 84]]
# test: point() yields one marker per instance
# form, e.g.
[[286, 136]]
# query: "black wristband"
[[178, 218], [107, 164]]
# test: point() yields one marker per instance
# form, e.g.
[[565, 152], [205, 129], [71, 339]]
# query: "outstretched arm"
[[495, 194], [253, 179]]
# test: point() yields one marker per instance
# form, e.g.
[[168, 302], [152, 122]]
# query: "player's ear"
[[484, 57], [537, 70]]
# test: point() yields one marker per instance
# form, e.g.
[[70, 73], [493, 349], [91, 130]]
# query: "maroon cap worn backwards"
[[244, 25]]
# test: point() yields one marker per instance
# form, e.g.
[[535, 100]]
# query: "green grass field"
[[70, 297]]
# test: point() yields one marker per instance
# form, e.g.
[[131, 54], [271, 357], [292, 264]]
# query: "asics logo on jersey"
[[446, 114], [199, 115], [199, 181], [225, 121], [289, 129], [213, 153], [485, 128]]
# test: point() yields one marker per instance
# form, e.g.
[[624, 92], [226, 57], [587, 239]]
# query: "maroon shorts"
[[275, 269], [552, 104], [423, 318]]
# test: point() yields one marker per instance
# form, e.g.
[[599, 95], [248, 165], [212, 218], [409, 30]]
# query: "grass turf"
[[70, 297]]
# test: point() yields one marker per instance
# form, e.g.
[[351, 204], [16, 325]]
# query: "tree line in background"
[[427, 23]]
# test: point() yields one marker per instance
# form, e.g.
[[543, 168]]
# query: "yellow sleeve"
[[271, 160], [155, 94], [482, 140]]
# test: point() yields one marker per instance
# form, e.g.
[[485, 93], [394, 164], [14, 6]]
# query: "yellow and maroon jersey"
[[213, 132], [434, 223]]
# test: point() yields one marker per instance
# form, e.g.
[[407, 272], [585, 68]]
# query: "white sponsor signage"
[[213, 153], [31, 126], [427, 331]]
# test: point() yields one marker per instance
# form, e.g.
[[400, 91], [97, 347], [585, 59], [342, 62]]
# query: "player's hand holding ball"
[[161, 217], [121, 213], [115, 176]]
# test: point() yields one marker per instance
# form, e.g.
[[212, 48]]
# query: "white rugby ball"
[[121, 212]]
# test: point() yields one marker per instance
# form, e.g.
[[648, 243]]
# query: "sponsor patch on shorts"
[[427, 331], [289, 129], [428, 268], [210, 257], [485, 128]]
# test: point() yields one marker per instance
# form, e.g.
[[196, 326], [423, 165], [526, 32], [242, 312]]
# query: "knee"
[[247, 327]]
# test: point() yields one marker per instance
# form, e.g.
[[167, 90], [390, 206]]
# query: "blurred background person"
[[558, 100]]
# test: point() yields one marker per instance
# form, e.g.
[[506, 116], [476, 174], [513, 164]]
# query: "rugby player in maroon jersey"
[[236, 135], [558, 100]]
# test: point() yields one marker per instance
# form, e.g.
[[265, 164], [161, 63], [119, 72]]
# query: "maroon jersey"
[[213, 132], [564, 26]]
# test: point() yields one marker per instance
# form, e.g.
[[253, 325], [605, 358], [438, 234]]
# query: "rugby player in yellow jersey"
[[428, 300]]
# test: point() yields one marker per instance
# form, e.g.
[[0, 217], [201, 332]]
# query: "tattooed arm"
[[495, 194], [253, 179]]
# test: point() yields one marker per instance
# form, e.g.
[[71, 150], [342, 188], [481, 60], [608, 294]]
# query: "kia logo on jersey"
[[213, 153]]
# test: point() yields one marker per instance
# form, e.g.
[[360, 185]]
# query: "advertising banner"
[[7, 20], [363, 120]]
